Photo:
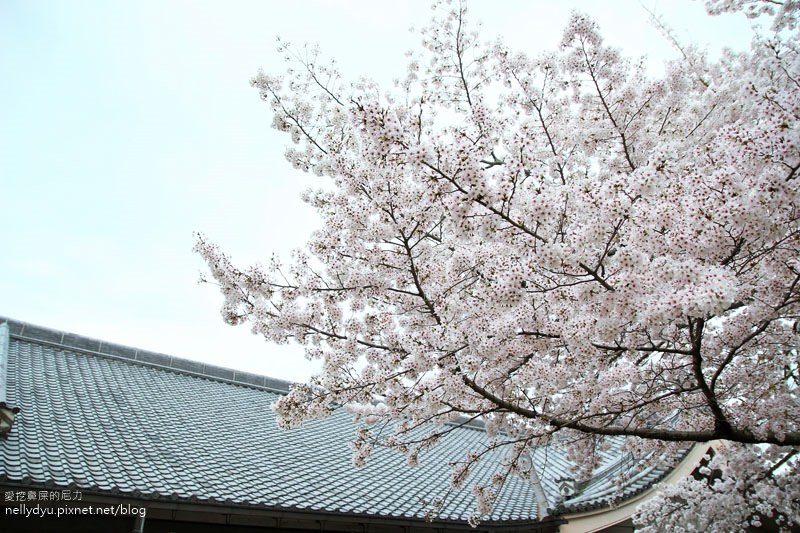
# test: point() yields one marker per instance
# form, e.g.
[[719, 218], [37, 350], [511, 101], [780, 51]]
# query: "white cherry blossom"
[[560, 246]]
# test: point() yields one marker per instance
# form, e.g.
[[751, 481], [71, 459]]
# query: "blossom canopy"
[[562, 246]]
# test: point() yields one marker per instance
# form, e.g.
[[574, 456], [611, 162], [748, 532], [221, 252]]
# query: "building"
[[115, 433]]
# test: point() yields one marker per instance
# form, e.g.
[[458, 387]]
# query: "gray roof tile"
[[144, 423]]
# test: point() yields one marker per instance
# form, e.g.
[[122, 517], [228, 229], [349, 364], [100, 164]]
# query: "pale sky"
[[126, 126]]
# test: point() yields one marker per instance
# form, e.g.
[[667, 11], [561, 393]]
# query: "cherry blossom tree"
[[560, 246]]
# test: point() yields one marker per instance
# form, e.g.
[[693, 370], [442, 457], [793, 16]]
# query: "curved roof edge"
[[599, 518]]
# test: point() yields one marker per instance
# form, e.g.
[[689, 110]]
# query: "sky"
[[125, 127]]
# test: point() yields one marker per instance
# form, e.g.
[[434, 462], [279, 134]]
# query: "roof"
[[111, 419]]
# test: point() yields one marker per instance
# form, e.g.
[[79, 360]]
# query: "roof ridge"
[[109, 350], [91, 346]]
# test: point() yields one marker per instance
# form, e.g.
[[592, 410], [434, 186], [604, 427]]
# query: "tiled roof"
[[113, 419]]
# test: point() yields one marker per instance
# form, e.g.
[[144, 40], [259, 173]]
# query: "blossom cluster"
[[561, 246]]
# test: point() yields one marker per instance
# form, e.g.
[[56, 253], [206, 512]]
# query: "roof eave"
[[602, 517]]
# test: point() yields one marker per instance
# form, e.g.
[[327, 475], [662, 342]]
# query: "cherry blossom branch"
[[519, 225], [669, 435], [417, 281], [596, 277], [721, 424], [610, 115], [459, 54]]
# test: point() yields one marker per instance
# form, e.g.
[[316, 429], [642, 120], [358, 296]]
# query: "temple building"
[[96, 436]]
